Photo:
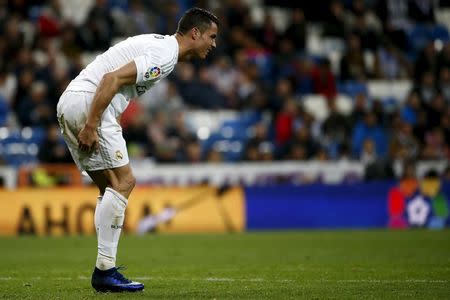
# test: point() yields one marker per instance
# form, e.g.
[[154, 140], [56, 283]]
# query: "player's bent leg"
[[120, 179], [116, 185]]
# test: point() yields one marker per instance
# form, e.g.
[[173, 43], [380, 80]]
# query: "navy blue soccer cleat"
[[112, 281]]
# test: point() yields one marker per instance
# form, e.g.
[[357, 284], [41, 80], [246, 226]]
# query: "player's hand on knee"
[[88, 139]]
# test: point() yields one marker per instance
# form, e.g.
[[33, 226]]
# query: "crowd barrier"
[[69, 211]]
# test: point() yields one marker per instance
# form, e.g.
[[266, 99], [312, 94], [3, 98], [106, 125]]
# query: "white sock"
[[111, 214], [97, 209]]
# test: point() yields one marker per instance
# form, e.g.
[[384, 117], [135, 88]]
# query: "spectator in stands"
[[410, 111], [323, 79], [25, 81], [248, 83], [368, 153], [422, 11], [15, 40], [359, 109], [296, 151], [99, 29], [435, 147], [192, 152], [322, 155], [435, 109], [224, 76], [168, 19], [267, 34], [161, 147], [390, 63], [369, 128], [427, 87], [403, 139], [426, 62], [198, 91], [336, 22], [368, 36], [395, 18], [259, 136], [444, 83], [140, 18], [251, 153], [36, 110], [353, 65], [336, 128], [445, 125], [302, 135], [283, 90], [69, 43], [134, 125], [421, 127], [284, 58], [8, 85], [52, 149], [214, 156], [303, 74], [178, 132], [380, 169], [266, 151], [4, 111], [359, 9], [296, 29], [237, 12], [382, 116], [443, 59], [446, 174], [284, 121]]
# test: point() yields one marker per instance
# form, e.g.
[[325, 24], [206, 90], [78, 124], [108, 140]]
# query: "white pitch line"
[[227, 279], [386, 281]]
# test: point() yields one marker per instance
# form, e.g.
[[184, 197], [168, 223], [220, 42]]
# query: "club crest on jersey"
[[152, 73], [119, 155]]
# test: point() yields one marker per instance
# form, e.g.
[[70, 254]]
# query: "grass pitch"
[[281, 265]]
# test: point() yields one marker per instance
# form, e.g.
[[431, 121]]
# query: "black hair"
[[196, 17]]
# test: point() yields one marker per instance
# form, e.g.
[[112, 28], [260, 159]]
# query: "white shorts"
[[72, 111]]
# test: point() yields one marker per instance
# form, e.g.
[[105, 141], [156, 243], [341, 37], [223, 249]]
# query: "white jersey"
[[155, 57]]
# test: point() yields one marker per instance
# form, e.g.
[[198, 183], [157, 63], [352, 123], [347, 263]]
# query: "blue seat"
[[439, 32], [390, 104], [352, 88], [418, 36]]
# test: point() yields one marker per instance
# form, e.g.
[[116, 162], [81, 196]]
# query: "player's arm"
[[108, 87]]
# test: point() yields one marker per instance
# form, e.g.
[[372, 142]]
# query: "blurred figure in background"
[[52, 148]]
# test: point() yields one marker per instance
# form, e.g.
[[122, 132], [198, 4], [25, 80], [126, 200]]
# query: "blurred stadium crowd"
[[288, 81]]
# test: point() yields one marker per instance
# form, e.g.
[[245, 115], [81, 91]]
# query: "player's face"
[[207, 41]]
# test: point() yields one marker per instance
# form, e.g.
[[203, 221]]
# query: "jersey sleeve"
[[148, 67]]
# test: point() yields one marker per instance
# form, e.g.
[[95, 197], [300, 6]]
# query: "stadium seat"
[[316, 105], [352, 88], [344, 104], [383, 89]]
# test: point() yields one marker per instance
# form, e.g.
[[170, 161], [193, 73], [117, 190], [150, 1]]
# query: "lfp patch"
[[153, 73]]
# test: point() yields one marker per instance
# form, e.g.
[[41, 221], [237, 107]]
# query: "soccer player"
[[87, 114]]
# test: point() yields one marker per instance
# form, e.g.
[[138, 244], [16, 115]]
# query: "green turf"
[[284, 265]]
